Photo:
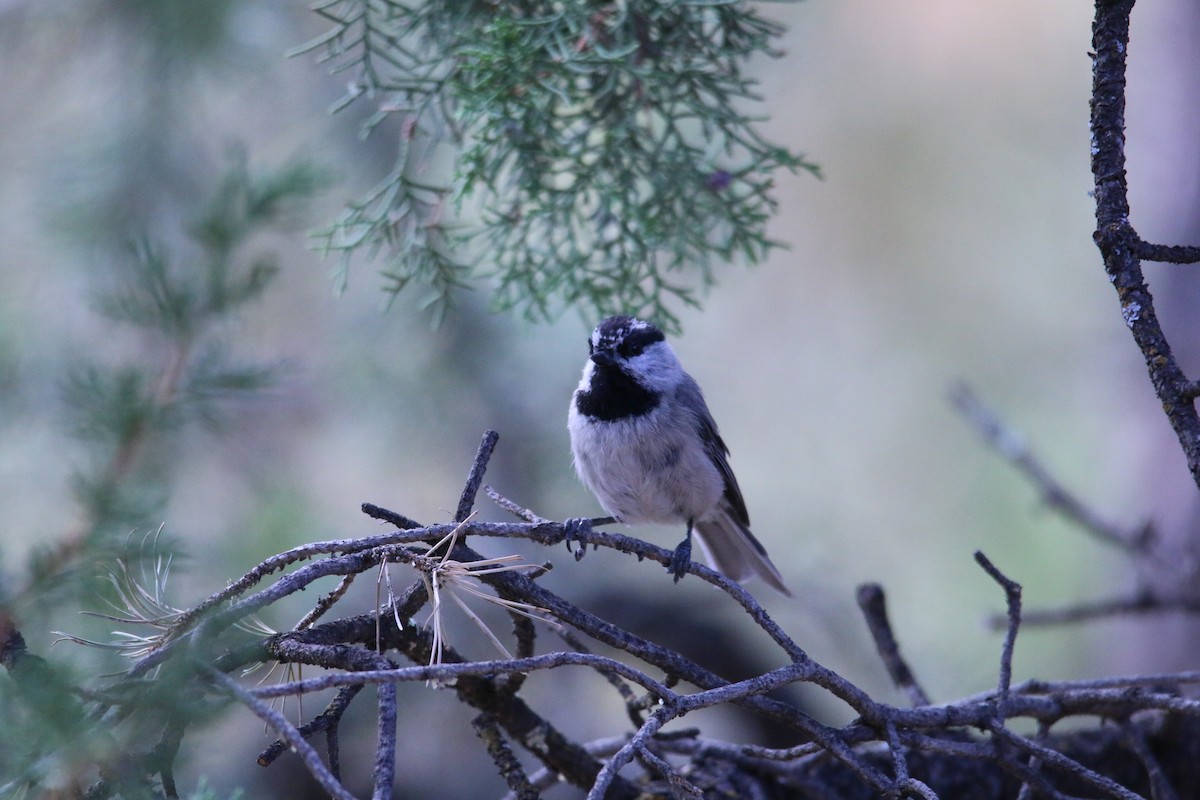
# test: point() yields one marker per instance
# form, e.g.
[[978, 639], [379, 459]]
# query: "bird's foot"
[[681, 559], [573, 529]]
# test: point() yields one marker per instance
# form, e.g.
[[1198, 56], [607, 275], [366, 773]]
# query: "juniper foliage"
[[591, 155]]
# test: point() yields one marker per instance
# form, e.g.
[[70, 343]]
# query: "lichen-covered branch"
[[1120, 245]]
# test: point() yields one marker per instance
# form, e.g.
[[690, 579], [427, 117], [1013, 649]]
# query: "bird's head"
[[637, 350]]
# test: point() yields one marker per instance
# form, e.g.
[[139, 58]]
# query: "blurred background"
[[950, 240]]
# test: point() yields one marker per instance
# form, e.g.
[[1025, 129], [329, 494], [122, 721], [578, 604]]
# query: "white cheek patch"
[[657, 368]]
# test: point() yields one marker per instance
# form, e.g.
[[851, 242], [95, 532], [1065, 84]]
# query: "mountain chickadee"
[[646, 445]]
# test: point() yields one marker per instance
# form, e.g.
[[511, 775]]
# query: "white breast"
[[651, 468]]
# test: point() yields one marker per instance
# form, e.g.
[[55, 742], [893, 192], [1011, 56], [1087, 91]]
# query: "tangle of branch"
[[886, 751]]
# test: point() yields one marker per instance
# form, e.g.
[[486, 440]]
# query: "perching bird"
[[646, 445]]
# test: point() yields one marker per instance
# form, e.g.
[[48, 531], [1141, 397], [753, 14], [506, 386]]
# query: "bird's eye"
[[629, 349]]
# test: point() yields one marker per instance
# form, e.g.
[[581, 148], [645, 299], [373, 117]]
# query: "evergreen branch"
[[601, 156]]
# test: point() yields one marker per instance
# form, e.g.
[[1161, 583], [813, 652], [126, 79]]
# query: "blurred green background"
[[950, 240]]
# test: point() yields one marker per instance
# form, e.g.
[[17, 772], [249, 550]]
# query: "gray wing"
[[725, 537], [691, 397]]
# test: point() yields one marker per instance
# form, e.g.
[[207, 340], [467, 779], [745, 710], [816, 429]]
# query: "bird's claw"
[[574, 529], [681, 559]]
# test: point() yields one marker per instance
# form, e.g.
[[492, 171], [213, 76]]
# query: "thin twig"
[[513, 508], [508, 765], [899, 760], [325, 603], [1161, 787], [1055, 759], [1014, 447], [1140, 603], [651, 726], [475, 478], [385, 748], [1027, 789], [307, 754], [1012, 595], [328, 721], [681, 787], [1170, 254], [871, 600]]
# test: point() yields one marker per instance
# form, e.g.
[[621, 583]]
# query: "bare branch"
[[1012, 594], [1014, 447], [1160, 783], [1119, 244], [351, 650], [1141, 603], [516, 510], [385, 748], [294, 738], [1171, 254], [874, 607], [327, 721], [509, 767], [650, 727], [475, 479]]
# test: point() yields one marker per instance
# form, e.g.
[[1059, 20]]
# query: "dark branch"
[[874, 607], [327, 721], [475, 478], [1170, 254], [1120, 246], [1012, 595], [502, 755], [295, 740]]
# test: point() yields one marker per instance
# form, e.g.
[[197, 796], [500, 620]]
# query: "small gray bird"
[[646, 445]]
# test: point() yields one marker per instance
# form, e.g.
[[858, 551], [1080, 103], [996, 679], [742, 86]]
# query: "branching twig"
[[294, 738], [1120, 246], [327, 721], [622, 757], [351, 650]]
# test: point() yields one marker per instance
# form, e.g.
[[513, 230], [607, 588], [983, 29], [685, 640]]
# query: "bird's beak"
[[604, 358]]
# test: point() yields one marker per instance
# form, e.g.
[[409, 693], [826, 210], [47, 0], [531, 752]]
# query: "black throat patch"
[[614, 395]]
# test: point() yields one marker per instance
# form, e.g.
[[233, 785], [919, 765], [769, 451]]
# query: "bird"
[[645, 444]]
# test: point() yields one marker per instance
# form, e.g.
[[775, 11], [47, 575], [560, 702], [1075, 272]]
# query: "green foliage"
[[59, 742], [129, 412], [44, 722], [130, 415], [601, 154]]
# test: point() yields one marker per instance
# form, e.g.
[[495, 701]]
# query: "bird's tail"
[[734, 552]]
